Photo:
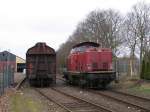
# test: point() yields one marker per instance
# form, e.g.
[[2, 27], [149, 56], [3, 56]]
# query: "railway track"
[[131, 95], [130, 100], [127, 99], [20, 83], [75, 105]]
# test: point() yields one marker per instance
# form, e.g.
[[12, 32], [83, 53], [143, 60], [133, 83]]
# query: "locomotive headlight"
[[89, 66]]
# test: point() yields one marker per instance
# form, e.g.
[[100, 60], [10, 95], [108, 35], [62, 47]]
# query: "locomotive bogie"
[[90, 80]]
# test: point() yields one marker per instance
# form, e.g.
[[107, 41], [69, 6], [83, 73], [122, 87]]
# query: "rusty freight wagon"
[[41, 65]]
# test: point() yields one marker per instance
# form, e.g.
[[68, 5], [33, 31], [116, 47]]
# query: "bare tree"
[[131, 36], [103, 26], [80, 34], [63, 53], [141, 12]]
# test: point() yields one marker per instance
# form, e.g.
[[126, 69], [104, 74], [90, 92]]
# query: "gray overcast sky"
[[25, 22]]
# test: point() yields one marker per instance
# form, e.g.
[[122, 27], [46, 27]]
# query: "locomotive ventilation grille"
[[95, 65], [105, 65]]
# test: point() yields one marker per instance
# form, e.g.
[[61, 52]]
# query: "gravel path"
[[4, 101], [18, 77]]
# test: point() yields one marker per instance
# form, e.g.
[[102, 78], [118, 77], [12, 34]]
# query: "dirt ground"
[[18, 77], [4, 101]]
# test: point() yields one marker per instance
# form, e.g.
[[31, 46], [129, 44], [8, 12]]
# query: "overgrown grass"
[[142, 89], [20, 103]]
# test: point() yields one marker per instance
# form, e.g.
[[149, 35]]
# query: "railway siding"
[[100, 99], [131, 99], [116, 103], [72, 103], [143, 105]]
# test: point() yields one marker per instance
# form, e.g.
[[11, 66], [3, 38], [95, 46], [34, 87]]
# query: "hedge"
[[145, 74]]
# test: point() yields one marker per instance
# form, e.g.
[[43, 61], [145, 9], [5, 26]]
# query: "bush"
[[143, 69], [145, 74]]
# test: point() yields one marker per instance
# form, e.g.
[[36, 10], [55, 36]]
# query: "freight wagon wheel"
[[31, 82]]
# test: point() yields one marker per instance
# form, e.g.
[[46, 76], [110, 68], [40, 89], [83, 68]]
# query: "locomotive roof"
[[41, 48], [86, 44]]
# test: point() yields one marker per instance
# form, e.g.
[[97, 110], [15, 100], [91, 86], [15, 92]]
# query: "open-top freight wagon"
[[41, 65], [88, 65]]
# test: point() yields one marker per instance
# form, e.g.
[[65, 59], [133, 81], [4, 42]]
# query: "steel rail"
[[81, 99], [119, 100], [50, 99], [130, 95], [20, 83]]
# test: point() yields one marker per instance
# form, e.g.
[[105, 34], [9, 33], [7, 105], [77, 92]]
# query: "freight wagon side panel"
[[52, 67]]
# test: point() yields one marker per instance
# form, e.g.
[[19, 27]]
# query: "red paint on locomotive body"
[[88, 58]]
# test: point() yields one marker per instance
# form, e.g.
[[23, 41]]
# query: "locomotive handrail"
[[93, 72]]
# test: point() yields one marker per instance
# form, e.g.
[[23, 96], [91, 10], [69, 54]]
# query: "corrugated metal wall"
[[6, 78], [7, 67]]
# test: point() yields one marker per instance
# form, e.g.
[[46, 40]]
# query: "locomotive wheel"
[[69, 82], [103, 85], [82, 83]]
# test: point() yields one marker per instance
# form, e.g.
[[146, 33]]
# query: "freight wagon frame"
[[41, 65]]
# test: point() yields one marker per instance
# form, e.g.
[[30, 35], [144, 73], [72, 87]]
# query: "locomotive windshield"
[[81, 49]]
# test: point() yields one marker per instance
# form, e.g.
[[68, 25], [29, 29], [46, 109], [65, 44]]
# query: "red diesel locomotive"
[[89, 66]]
